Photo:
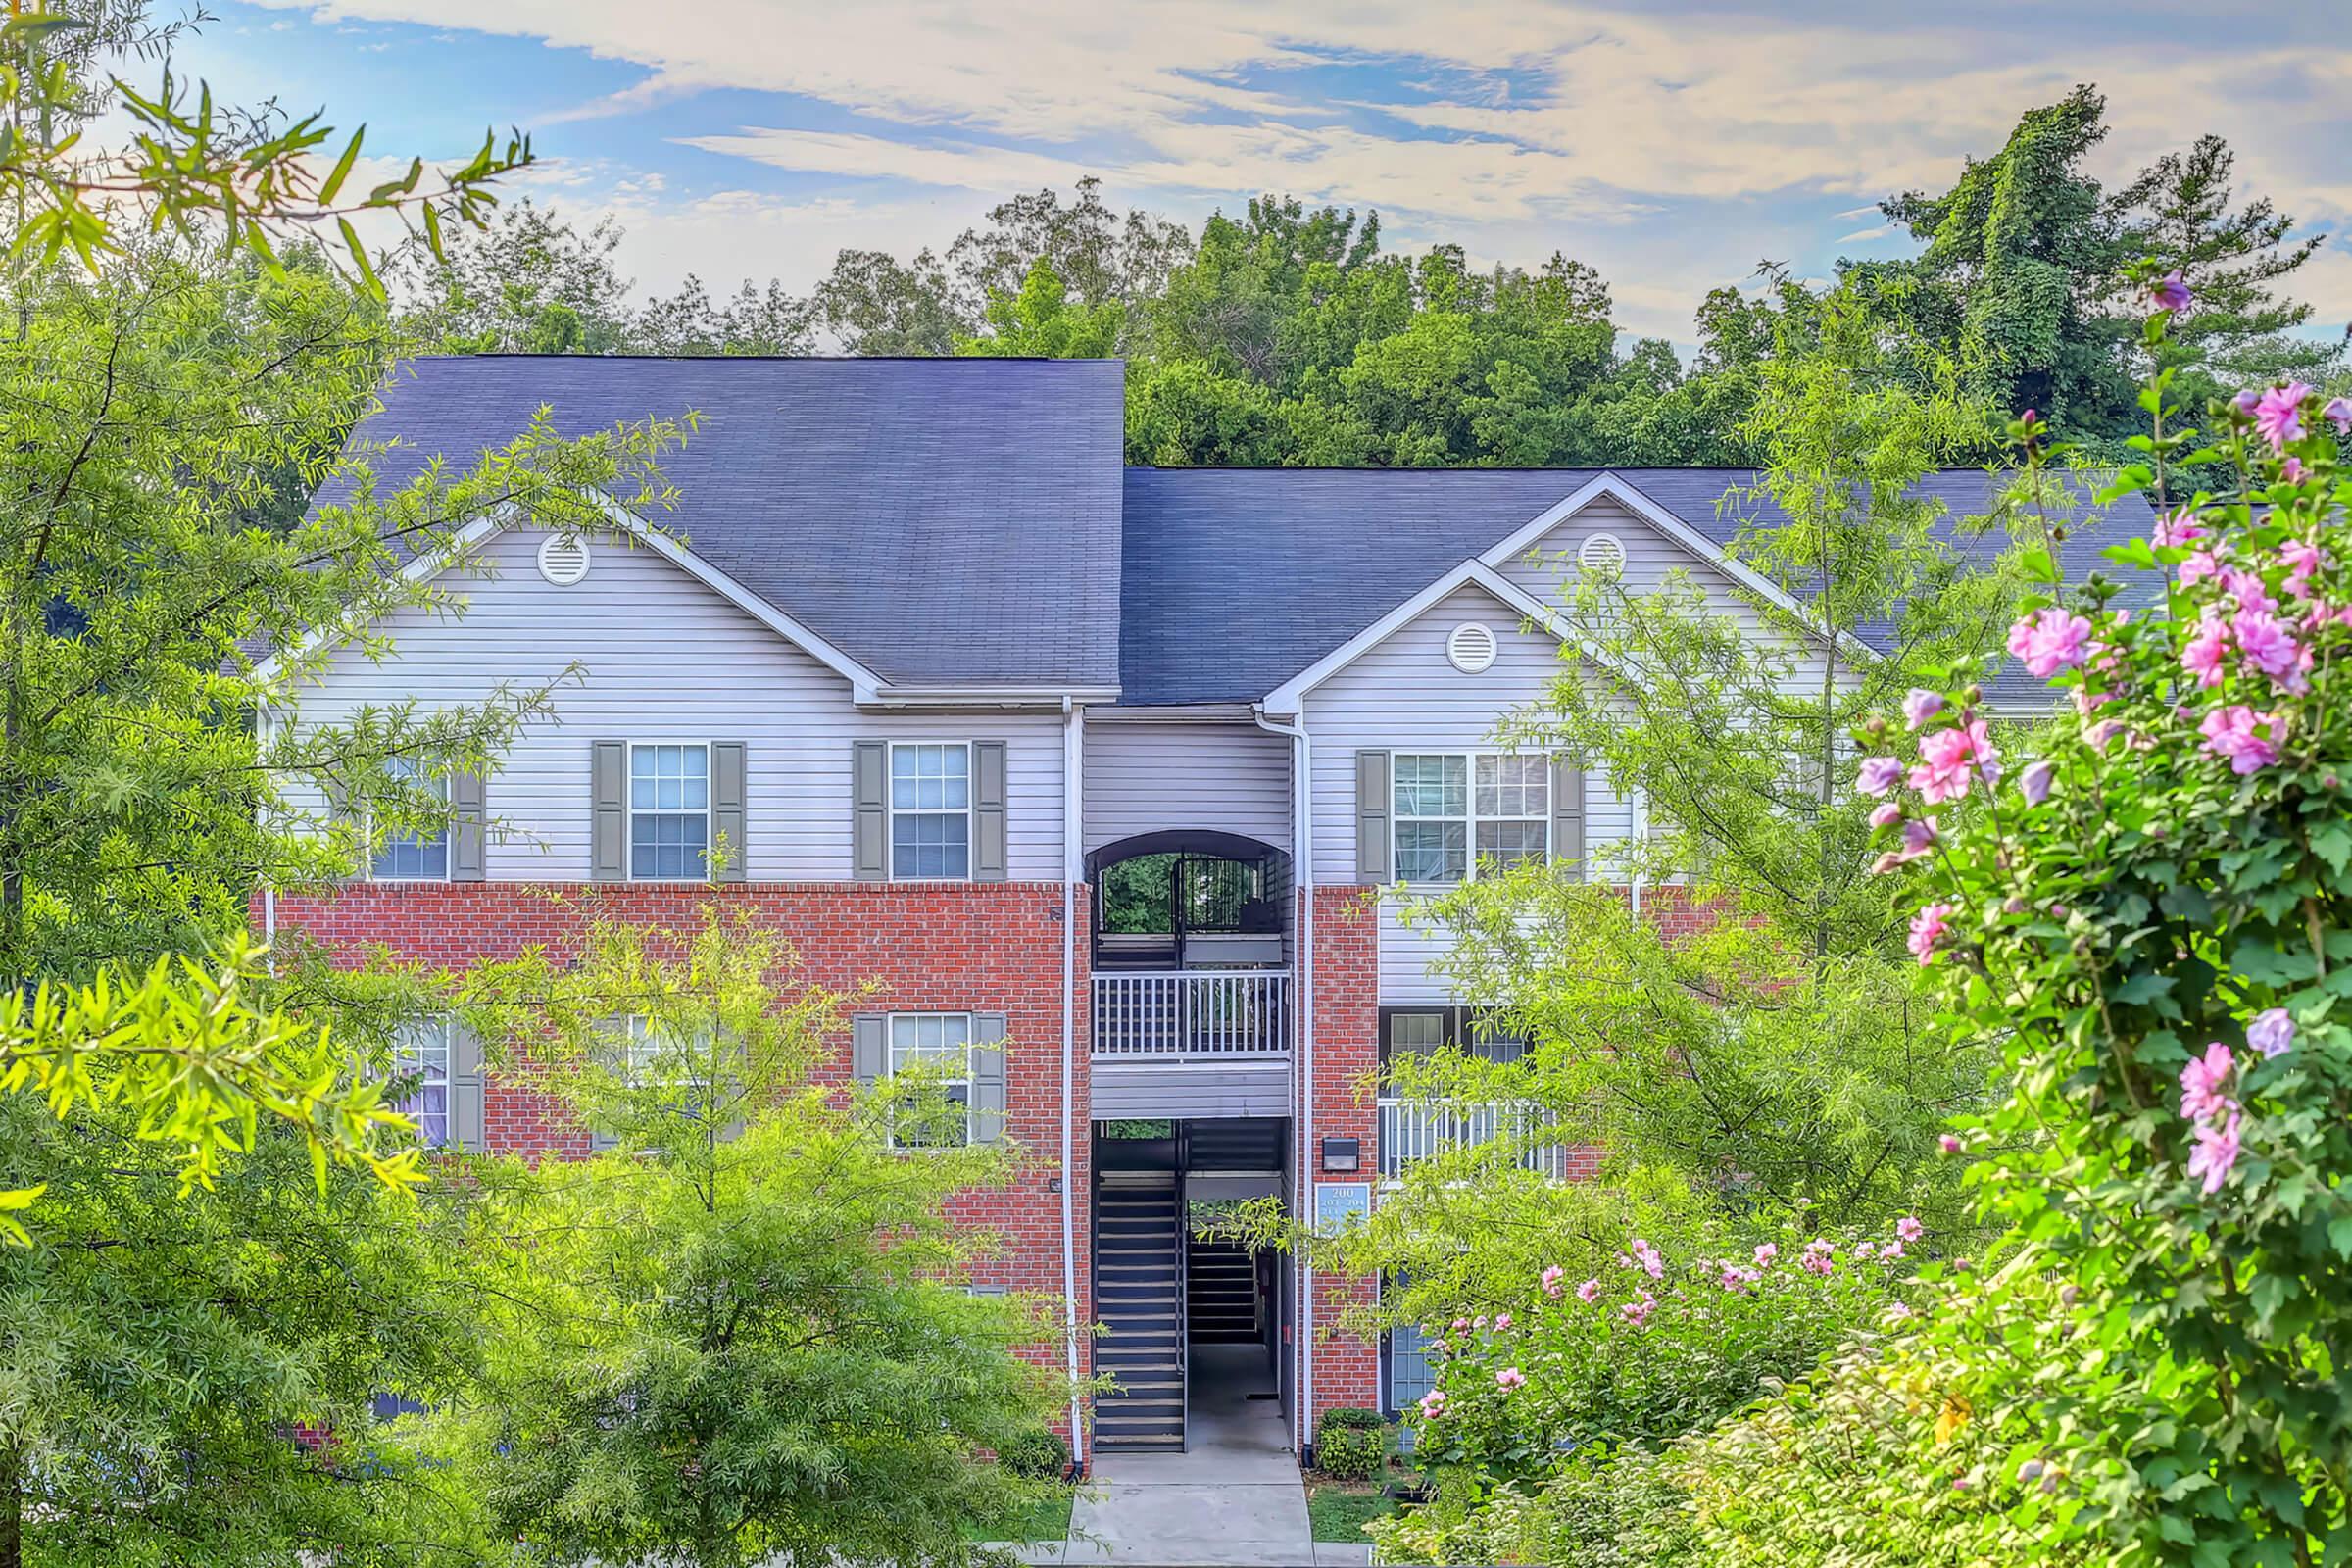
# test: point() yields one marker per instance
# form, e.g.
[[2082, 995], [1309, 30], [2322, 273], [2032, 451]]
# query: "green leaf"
[[334, 181]]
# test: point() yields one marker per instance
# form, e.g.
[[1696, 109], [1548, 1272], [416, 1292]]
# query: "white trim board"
[[1617, 489]]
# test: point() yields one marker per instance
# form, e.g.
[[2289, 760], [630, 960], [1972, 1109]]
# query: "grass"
[[1047, 1520], [1339, 1509]]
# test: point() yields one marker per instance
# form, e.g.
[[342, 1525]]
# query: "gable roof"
[[944, 522], [1239, 580], [1285, 699]]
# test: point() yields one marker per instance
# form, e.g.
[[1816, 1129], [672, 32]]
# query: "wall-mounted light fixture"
[[1343, 1154]]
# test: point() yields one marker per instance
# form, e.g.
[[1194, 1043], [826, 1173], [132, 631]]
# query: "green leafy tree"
[[1042, 321], [1780, 1055], [738, 1337], [190, 1376]]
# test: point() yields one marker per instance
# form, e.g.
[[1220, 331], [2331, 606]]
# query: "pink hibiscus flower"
[[2278, 414], [2049, 641], [2230, 733], [1928, 930]]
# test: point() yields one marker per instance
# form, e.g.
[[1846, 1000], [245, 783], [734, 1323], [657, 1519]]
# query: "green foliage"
[[184, 164], [1780, 1055], [723, 1346], [167, 1350], [2025, 278], [1036, 1454], [2151, 921], [1353, 1449]]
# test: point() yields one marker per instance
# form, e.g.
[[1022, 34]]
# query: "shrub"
[[2154, 917], [1037, 1455], [1352, 1444]]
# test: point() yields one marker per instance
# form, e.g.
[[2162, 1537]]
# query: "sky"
[[1671, 146]]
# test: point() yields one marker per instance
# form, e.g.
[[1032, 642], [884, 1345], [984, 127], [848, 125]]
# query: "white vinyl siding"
[[632, 627], [1145, 776], [1403, 697]]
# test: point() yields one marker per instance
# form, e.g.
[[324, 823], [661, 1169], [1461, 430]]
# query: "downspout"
[[1073, 741], [262, 724], [1303, 875]]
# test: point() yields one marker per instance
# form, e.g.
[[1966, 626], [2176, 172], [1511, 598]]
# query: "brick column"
[[1347, 1046]]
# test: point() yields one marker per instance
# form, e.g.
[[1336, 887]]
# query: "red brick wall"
[[951, 946], [1346, 1047]]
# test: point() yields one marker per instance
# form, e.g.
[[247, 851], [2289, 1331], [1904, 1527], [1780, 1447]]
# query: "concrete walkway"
[[1231, 1498]]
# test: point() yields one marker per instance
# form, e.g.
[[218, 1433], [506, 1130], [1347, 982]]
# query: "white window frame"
[[1470, 819], [890, 1069], [448, 839], [701, 873], [890, 786], [408, 1057]]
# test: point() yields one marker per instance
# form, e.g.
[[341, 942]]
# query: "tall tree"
[[740, 1336]]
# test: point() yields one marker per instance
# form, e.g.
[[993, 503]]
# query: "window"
[[670, 811], [408, 856], [939, 1044], [1410, 1373], [1423, 1031], [422, 1051], [931, 811], [1455, 812]]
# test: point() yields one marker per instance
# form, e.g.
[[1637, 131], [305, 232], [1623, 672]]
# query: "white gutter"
[[264, 729], [1073, 742], [1303, 877]]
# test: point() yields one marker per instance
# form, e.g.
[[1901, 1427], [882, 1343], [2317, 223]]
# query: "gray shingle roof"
[[1237, 579], [949, 521]]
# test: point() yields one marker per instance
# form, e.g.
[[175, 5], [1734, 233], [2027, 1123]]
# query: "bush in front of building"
[[1037, 1455], [1352, 1444]]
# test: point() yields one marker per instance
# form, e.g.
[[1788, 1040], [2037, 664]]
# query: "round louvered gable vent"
[[1470, 647], [563, 559], [1603, 553]]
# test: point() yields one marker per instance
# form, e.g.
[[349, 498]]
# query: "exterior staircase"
[[1220, 1293], [1138, 1296]]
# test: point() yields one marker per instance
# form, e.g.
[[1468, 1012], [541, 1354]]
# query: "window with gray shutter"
[[727, 813], [988, 811], [468, 1089], [869, 1047], [1568, 817], [869, 837], [469, 817], [608, 837], [1371, 819], [987, 1077]]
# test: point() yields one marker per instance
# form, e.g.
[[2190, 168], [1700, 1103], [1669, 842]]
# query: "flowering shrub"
[[2153, 916], [1644, 1351]]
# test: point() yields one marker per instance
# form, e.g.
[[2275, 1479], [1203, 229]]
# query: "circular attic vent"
[[1602, 553], [1470, 647], [563, 559]]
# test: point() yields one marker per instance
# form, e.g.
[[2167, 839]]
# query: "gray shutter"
[[869, 1047], [869, 783], [1373, 864], [469, 1090], [987, 1077], [988, 811], [609, 839], [466, 820], [726, 807], [1568, 816]]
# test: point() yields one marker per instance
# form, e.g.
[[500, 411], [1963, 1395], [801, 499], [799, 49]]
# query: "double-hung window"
[[939, 1046], [1457, 811], [669, 810], [413, 857], [421, 1051], [930, 811]]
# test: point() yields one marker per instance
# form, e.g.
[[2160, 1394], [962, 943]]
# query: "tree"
[[2024, 279], [1779, 1056], [738, 1337], [190, 1377]]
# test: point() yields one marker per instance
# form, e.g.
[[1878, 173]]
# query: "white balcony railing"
[[1412, 1131], [1215, 1013]]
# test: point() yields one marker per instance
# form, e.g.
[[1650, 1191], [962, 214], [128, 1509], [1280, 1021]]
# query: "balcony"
[[1193, 1015], [1412, 1131]]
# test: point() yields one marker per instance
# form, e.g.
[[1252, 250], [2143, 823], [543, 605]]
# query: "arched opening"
[[1190, 899]]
